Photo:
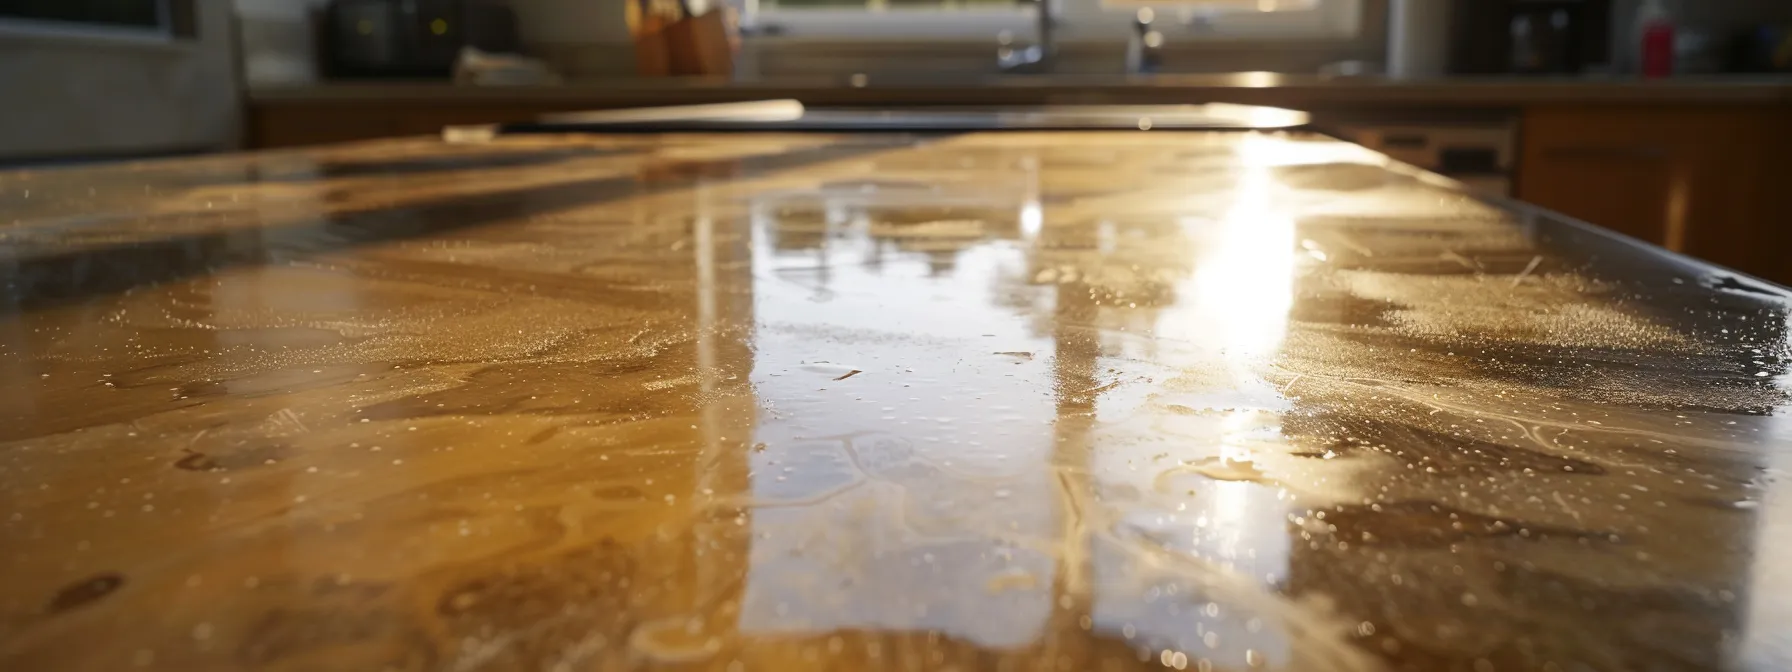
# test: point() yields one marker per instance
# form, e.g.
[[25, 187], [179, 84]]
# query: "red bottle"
[[1658, 49]]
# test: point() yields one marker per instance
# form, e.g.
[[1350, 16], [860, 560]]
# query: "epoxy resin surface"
[[1022, 401]]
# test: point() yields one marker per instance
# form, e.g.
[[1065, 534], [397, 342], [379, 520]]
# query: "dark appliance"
[[1529, 37], [411, 38], [1762, 48]]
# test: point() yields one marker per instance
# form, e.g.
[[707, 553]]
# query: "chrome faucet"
[[1033, 59], [1144, 49]]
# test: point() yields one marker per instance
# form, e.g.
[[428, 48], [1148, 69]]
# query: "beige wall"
[[72, 97]]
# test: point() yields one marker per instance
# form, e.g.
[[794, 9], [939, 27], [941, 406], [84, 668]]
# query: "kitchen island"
[[1008, 401]]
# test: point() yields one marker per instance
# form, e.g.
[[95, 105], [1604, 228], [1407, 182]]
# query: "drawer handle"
[[1604, 152]]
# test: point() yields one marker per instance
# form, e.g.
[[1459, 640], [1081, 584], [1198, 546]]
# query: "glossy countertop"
[[1253, 88], [1004, 401]]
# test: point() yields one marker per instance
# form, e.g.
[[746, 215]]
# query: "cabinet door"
[[1622, 185], [1698, 180]]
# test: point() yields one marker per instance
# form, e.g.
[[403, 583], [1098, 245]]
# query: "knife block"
[[692, 46], [653, 58]]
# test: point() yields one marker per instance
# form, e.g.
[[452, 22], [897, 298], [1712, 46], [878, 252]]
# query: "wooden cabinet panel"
[[296, 126], [1706, 181], [1621, 187]]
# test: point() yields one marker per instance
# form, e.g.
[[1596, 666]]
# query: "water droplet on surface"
[[1011, 579], [674, 641]]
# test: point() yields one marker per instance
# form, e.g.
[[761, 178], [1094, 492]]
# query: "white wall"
[[69, 97]]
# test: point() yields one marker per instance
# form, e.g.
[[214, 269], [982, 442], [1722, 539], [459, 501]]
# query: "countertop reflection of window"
[[1078, 20]]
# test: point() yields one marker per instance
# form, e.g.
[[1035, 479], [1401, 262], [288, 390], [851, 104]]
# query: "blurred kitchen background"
[[1666, 119], [120, 76]]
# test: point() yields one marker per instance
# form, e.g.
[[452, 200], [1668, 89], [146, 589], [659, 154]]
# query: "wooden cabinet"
[[1712, 182]]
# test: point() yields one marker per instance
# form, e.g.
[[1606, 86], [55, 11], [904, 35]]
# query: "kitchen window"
[[1078, 20], [124, 20]]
